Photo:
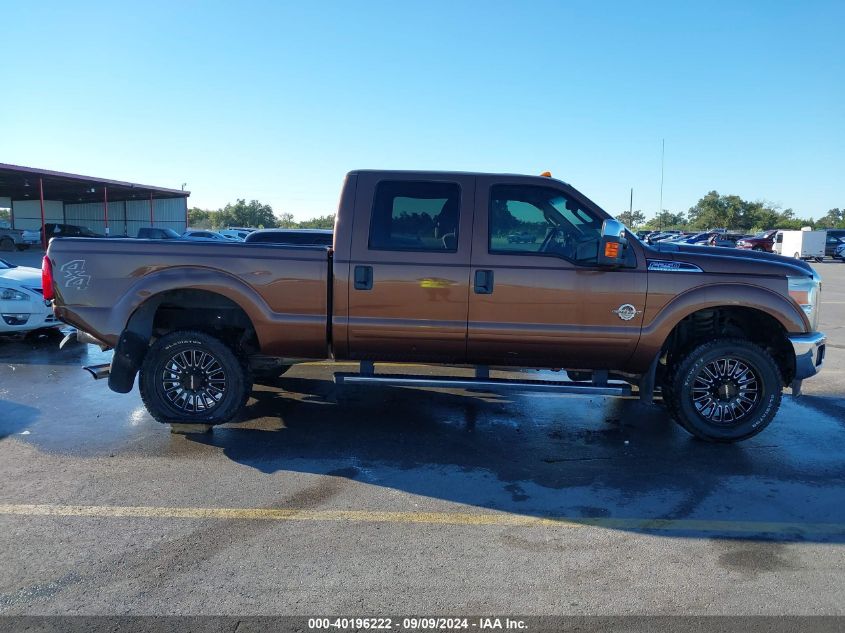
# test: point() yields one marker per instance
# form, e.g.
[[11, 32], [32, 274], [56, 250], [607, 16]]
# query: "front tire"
[[190, 377], [726, 390]]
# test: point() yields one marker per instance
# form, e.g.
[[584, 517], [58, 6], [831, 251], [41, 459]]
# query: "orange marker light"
[[546, 174], [611, 250]]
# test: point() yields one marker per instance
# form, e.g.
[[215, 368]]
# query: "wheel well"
[[184, 309], [731, 321], [204, 311]]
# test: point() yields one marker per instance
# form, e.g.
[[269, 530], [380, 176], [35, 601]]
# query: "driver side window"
[[528, 219]]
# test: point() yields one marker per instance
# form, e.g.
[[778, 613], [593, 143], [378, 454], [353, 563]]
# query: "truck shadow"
[[583, 459], [15, 418]]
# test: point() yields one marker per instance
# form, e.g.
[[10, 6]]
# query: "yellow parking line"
[[440, 518]]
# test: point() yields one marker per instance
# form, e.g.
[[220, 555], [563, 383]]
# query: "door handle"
[[483, 282], [363, 278]]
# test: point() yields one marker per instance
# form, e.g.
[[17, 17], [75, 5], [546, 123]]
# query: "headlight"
[[805, 291], [741, 243], [10, 294]]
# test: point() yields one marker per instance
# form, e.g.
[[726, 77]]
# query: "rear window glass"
[[297, 239], [415, 216]]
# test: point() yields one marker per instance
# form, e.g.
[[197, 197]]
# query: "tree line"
[[715, 210], [252, 214]]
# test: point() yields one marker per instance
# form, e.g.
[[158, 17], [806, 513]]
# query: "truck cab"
[[430, 274]]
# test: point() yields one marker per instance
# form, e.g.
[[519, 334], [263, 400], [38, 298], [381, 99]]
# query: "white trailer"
[[801, 244]]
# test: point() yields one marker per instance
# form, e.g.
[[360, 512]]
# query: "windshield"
[[4, 265]]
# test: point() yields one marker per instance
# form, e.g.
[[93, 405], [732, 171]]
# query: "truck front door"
[[408, 274], [538, 297]]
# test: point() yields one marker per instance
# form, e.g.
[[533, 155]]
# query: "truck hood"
[[714, 259], [24, 275]]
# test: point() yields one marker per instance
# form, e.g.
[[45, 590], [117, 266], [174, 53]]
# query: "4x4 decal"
[[75, 275]]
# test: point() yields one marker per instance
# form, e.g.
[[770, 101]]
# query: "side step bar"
[[98, 371], [493, 384]]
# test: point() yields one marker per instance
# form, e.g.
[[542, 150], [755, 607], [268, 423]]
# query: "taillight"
[[47, 278]]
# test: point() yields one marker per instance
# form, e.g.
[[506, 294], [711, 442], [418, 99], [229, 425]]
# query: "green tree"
[[199, 218], [631, 219], [667, 220], [321, 222], [715, 210], [243, 213], [834, 219], [286, 221]]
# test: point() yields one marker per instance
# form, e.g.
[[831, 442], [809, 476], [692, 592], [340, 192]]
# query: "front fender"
[[658, 326]]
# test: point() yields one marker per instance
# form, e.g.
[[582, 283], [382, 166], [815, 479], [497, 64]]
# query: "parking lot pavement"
[[414, 501]]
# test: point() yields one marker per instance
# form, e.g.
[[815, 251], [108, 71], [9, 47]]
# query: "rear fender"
[[138, 306]]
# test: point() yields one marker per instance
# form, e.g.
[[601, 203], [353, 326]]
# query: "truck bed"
[[284, 289]]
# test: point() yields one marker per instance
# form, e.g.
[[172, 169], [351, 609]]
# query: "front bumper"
[[34, 313], [809, 353]]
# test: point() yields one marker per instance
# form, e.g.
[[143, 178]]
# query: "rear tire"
[[190, 377], [7, 244], [725, 390]]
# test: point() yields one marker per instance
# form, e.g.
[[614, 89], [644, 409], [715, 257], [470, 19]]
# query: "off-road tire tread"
[[218, 416], [684, 365]]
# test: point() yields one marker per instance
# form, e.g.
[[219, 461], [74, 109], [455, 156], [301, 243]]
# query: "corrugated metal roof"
[[21, 183]]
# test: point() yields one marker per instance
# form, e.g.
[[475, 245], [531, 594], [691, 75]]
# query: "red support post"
[[106, 208], [43, 224], [152, 217]]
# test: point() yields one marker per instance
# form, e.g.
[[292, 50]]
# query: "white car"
[[204, 236], [839, 252], [22, 306], [31, 237], [235, 234]]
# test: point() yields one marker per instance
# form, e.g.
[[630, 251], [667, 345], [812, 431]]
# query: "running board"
[[493, 384]]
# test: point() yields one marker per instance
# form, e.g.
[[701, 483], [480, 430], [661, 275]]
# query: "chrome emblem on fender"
[[626, 312]]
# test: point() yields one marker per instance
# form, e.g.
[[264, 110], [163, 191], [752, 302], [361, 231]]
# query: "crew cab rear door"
[[408, 275], [536, 297]]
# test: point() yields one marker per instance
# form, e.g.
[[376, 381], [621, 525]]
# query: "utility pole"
[[631, 203], [662, 158]]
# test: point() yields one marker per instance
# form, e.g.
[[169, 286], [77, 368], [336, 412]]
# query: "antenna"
[[662, 158]]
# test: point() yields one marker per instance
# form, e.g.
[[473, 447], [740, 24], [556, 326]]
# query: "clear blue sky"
[[276, 101]]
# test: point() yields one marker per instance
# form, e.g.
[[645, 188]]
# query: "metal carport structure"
[[110, 207]]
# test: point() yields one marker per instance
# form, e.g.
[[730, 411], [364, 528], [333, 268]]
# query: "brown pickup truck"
[[424, 268]]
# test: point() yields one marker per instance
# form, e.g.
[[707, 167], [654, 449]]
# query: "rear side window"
[[415, 216]]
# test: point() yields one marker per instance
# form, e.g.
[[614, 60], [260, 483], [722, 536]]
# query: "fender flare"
[[656, 332], [132, 316]]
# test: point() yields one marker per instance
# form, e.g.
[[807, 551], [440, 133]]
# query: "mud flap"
[[646, 382], [127, 359]]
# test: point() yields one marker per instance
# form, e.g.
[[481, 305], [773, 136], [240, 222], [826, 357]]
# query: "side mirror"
[[612, 244]]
